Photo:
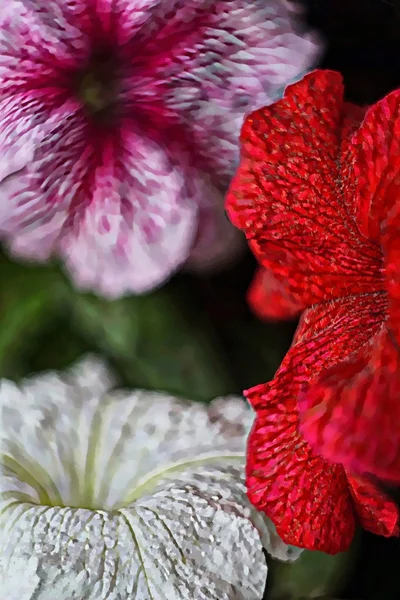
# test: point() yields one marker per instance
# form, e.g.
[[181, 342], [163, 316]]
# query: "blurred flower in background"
[[126, 495], [119, 124], [317, 196]]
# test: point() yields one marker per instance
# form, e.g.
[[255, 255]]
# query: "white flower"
[[125, 496]]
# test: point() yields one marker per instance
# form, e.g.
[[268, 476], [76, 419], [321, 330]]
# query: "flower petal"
[[375, 510], [217, 242], [70, 553], [372, 182], [286, 195], [99, 202], [52, 36], [198, 527], [351, 414], [105, 451], [269, 299], [306, 497], [215, 62], [100, 499], [391, 250], [35, 201]]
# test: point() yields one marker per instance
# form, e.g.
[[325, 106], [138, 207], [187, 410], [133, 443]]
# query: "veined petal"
[[372, 178], [306, 497], [215, 62], [36, 202], [69, 553], [118, 207], [286, 195], [25, 120], [99, 499], [375, 510], [270, 299], [205, 518], [141, 221], [350, 415], [391, 252], [53, 42]]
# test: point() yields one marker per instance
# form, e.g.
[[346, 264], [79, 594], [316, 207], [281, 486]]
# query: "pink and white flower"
[[119, 122]]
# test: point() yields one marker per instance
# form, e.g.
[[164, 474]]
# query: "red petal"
[[391, 249], [372, 183], [269, 299], [351, 414], [306, 497], [352, 118], [287, 194], [376, 511]]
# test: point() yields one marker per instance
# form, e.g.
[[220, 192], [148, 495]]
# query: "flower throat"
[[97, 87]]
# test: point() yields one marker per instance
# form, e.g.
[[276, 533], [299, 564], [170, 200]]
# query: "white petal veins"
[[125, 495]]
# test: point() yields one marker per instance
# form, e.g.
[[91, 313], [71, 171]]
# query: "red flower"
[[316, 194], [269, 299]]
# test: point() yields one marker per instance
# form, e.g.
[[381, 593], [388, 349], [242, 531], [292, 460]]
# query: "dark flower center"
[[97, 86]]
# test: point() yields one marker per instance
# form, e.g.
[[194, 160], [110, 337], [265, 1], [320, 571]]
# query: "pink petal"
[[119, 209], [217, 242], [35, 199], [214, 62], [140, 223], [40, 40], [64, 186]]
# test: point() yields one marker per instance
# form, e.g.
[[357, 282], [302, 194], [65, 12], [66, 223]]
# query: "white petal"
[[125, 496], [65, 554], [203, 536]]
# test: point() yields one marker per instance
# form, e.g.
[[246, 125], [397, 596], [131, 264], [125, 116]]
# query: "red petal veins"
[[391, 251], [352, 117], [307, 498], [371, 180], [376, 512], [287, 194], [269, 299], [351, 414], [350, 322]]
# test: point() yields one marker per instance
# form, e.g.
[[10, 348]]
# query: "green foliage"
[[153, 341]]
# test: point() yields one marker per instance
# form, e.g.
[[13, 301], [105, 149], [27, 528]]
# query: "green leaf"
[[155, 343], [28, 301]]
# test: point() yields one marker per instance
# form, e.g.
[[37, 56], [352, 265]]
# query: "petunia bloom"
[[119, 122], [125, 495], [317, 195], [269, 299]]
